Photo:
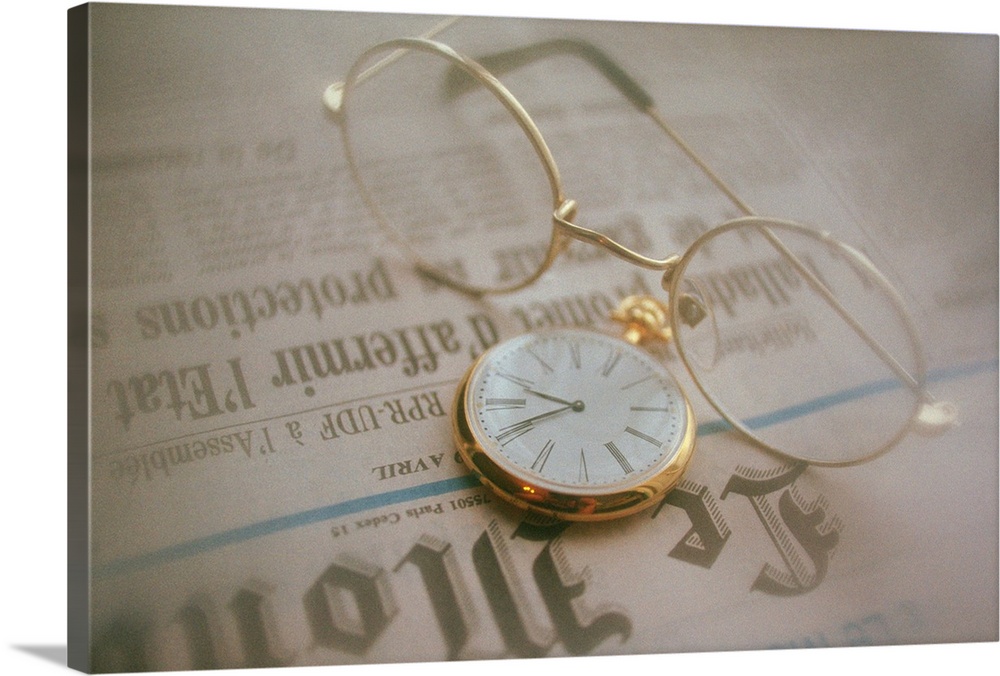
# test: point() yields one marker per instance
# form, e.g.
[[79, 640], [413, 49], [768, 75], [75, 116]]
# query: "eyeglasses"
[[794, 337]]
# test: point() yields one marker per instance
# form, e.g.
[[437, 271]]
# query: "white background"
[[33, 358]]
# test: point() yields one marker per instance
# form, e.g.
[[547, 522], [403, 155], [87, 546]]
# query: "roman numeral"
[[610, 363], [517, 380], [574, 354], [497, 404], [539, 360], [622, 460], [638, 382], [511, 432], [583, 477], [665, 409], [644, 437], [539, 462]]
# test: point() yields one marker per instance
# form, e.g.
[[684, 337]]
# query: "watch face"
[[576, 412]]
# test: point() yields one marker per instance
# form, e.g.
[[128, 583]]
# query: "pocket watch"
[[574, 424]]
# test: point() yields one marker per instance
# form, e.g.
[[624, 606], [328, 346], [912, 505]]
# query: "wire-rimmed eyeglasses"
[[793, 336]]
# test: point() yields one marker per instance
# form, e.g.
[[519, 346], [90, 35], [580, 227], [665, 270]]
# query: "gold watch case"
[[624, 497]]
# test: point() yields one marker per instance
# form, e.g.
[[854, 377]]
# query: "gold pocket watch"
[[574, 424]]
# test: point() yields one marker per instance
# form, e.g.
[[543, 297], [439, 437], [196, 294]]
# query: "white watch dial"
[[576, 411]]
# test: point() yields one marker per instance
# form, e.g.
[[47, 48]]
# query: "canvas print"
[[412, 338]]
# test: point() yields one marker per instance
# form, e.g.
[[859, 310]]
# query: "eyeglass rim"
[[557, 238], [920, 366]]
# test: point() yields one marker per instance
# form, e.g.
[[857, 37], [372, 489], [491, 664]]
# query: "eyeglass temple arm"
[[510, 60]]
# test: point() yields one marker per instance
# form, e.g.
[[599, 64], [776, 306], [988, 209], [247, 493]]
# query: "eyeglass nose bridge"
[[562, 219]]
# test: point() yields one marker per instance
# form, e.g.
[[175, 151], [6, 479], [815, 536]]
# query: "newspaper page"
[[253, 505]]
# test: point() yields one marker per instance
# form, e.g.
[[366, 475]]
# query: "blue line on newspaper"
[[242, 534]]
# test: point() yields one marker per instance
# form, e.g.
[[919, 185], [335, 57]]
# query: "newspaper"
[[254, 507]]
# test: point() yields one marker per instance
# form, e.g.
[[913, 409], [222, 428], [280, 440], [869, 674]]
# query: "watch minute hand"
[[540, 416], [511, 432]]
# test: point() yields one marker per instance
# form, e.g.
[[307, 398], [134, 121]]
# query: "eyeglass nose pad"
[[692, 310]]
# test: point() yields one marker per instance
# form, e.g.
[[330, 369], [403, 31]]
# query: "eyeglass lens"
[[776, 357], [449, 171]]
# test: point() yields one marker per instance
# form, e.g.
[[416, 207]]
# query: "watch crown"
[[645, 319]]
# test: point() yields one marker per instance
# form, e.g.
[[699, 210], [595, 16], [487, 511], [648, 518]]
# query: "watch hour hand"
[[575, 405]]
